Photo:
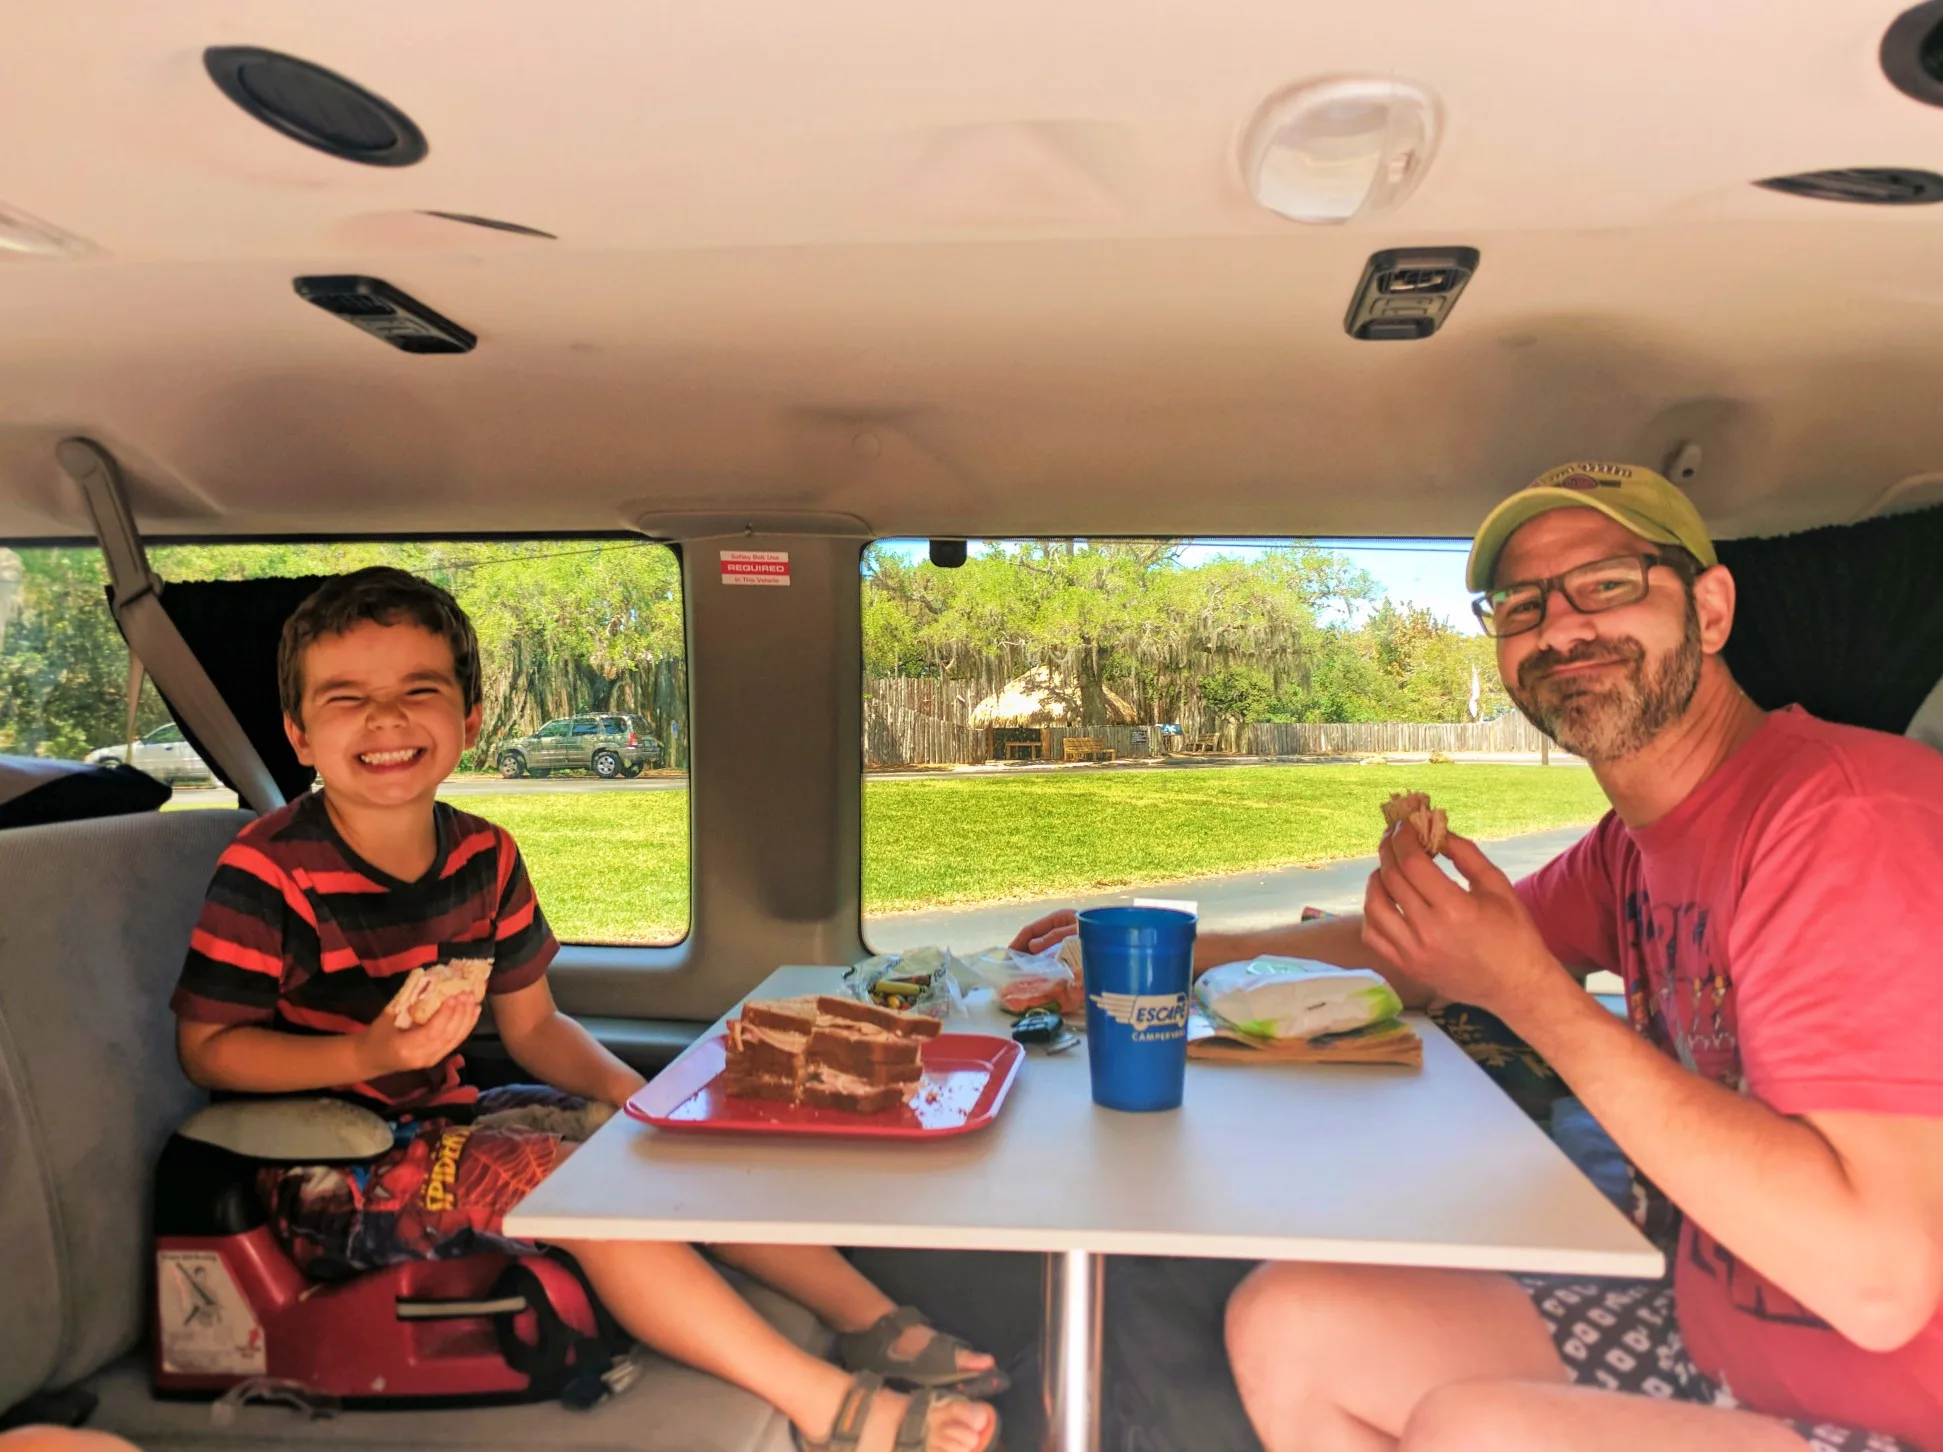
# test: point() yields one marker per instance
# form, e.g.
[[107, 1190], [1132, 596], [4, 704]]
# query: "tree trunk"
[[1092, 688]]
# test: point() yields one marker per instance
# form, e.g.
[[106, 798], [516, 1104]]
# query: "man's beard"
[[1609, 722]]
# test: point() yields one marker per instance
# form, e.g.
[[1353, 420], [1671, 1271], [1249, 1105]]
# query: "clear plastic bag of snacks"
[[1024, 981], [918, 980]]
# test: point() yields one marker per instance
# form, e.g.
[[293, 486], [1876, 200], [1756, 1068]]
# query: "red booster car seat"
[[235, 1315]]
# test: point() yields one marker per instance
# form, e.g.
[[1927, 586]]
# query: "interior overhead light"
[[1334, 150], [24, 234], [1912, 53]]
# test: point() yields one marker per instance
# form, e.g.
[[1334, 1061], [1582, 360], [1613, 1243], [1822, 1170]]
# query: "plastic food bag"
[[919, 980], [1295, 998], [1024, 981]]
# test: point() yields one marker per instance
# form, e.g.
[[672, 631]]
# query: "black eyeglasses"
[[1601, 585]]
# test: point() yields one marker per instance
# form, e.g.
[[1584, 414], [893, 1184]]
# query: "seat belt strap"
[[152, 636]]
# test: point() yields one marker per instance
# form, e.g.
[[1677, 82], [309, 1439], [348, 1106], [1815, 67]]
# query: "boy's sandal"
[[913, 1431], [935, 1367]]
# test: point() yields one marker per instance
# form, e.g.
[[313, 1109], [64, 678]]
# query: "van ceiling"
[[980, 269]]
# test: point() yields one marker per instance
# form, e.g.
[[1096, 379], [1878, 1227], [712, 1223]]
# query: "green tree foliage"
[[1105, 615], [1308, 626], [63, 667], [564, 627], [1402, 664], [1237, 694]]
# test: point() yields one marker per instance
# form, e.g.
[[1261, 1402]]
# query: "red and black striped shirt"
[[300, 934]]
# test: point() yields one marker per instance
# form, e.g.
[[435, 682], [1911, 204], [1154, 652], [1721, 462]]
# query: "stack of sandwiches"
[[827, 1053]]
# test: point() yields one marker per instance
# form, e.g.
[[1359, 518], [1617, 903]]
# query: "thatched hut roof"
[[1041, 697]]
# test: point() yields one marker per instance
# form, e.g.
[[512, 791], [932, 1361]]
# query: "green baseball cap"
[[1637, 498]]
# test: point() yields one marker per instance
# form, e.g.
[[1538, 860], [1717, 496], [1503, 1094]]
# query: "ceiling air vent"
[[317, 107], [386, 314], [1881, 186], [1409, 292], [1912, 53]]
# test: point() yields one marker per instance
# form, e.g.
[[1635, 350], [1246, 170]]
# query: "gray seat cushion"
[[670, 1409], [94, 920]]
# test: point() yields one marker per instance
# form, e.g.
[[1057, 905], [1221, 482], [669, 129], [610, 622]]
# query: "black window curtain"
[[1845, 621], [232, 627]]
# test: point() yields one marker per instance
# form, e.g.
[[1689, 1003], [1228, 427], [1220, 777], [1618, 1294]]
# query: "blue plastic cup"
[[1138, 963]]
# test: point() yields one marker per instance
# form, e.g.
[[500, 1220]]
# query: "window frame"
[[580, 959]]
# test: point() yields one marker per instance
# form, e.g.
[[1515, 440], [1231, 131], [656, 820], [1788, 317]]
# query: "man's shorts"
[[1623, 1336], [441, 1191]]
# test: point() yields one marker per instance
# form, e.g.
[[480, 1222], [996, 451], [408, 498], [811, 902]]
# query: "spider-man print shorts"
[[1623, 1336], [442, 1190]]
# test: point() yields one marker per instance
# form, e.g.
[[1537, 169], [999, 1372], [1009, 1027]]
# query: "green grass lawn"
[[928, 843], [610, 867], [613, 866]]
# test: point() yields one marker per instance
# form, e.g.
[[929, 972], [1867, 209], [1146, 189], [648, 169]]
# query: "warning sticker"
[[208, 1329], [755, 567]]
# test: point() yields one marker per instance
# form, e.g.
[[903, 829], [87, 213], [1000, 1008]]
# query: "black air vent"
[[1408, 293], [1880, 186], [1912, 53], [386, 313], [317, 107]]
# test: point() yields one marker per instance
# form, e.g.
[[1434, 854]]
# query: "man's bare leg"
[[842, 1297], [1334, 1358], [1521, 1417]]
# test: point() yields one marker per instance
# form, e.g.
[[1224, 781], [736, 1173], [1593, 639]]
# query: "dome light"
[[1331, 151]]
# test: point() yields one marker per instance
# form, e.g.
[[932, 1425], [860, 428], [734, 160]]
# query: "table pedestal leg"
[[1075, 1297]]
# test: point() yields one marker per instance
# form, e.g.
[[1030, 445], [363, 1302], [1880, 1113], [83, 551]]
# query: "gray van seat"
[[94, 919]]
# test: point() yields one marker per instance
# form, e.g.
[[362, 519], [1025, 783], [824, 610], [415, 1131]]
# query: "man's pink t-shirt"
[[1781, 933]]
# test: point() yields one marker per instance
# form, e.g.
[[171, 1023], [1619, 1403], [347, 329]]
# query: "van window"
[[566, 626], [1063, 722]]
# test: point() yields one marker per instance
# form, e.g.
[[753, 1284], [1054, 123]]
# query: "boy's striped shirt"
[[300, 935]]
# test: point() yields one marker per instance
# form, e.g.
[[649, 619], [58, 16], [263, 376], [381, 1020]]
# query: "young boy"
[[316, 916]]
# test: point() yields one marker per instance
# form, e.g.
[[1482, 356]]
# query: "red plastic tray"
[[966, 1079]]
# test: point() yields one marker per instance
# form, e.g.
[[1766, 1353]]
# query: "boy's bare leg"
[[666, 1295], [1521, 1417], [841, 1296], [1334, 1358]]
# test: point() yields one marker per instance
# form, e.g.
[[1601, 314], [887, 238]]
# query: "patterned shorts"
[[441, 1191], [1623, 1336]]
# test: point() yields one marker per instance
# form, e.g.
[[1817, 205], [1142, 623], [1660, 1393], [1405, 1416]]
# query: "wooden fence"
[[1370, 738], [927, 723]]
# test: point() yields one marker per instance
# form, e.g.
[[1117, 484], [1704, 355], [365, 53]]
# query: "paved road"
[[1241, 903]]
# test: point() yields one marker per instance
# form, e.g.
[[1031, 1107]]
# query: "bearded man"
[[1770, 888]]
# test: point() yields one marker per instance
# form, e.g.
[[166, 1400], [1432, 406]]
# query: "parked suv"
[[163, 754], [607, 745]]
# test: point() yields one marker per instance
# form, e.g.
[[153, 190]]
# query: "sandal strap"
[[847, 1431], [870, 1350], [915, 1430]]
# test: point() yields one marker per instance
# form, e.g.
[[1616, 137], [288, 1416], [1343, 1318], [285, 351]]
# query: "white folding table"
[[1368, 1164]]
